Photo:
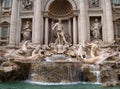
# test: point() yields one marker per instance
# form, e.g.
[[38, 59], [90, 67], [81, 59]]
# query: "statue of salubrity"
[[95, 30], [58, 27], [26, 31]]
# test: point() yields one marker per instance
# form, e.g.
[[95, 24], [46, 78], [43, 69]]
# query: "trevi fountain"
[[62, 62], [59, 44]]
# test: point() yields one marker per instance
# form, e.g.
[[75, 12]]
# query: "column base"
[[36, 43], [11, 46]]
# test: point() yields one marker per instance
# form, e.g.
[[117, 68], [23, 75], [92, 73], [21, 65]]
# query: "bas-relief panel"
[[27, 5], [93, 3]]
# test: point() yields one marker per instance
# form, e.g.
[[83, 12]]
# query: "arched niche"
[[48, 3], [66, 10]]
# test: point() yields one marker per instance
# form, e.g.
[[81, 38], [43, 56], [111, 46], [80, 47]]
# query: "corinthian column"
[[13, 26], [46, 31], [74, 31], [82, 21], [69, 27], [37, 33], [0, 32], [109, 20]]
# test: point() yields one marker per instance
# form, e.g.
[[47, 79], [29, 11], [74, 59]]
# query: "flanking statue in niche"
[[58, 27], [28, 4], [26, 31], [95, 30]]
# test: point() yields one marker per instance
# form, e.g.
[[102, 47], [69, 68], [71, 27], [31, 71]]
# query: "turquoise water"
[[23, 85]]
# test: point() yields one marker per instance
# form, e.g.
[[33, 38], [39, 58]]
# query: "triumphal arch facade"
[[83, 20]]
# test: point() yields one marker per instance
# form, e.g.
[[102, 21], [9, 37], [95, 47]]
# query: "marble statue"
[[58, 27], [20, 53], [24, 49], [37, 54], [27, 4], [94, 49], [81, 51], [60, 49], [27, 31], [99, 59], [36, 50], [95, 30]]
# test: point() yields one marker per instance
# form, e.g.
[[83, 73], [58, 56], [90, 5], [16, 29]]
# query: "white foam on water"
[[97, 83], [60, 83], [48, 59], [45, 83]]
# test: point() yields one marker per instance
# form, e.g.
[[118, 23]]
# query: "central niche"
[[60, 8]]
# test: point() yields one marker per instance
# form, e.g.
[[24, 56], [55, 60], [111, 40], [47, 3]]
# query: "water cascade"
[[95, 69], [54, 70]]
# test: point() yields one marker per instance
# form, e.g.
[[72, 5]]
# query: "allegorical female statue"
[[95, 29], [27, 31]]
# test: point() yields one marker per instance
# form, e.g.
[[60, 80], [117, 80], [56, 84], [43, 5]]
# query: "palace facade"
[[77, 17]]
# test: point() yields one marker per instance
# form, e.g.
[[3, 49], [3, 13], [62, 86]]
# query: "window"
[[118, 31], [7, 4], [5, 32], [116, 2]]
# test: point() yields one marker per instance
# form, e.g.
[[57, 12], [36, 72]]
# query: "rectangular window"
[[5, 32], [118, 31], [7, 3], [116, 2]]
